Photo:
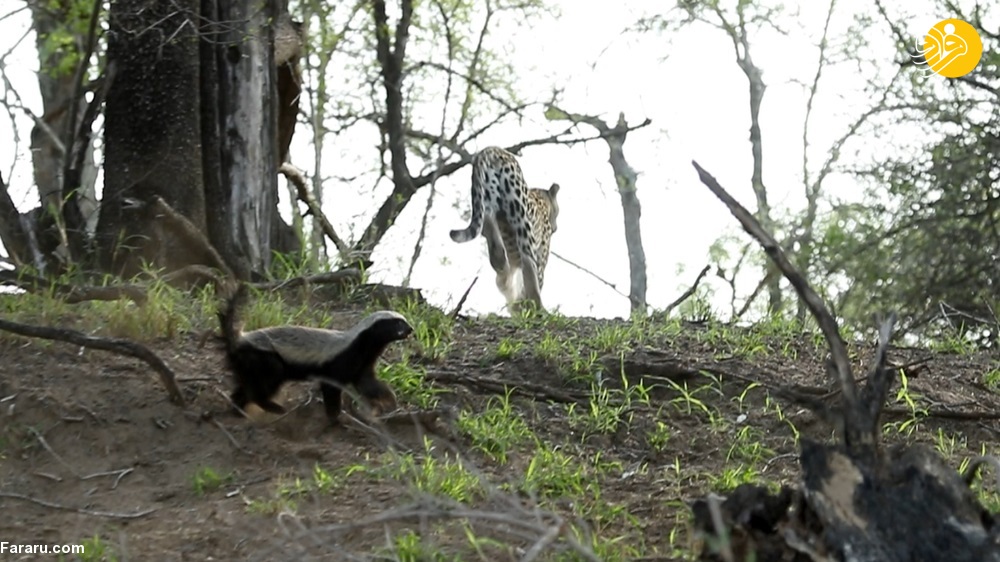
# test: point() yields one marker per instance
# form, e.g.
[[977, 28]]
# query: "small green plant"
[[96, 550], [432, 328], [602, 415], [748, 447], [955, 341], [732, 476], [438, 476], [409, 547], [207, 480], [946, 443], [323, 480], [507, 348], [554, 474], [549, 348], [992, 379], [910, 399], [271, 506], [659, 437], [497, 429], [409, 382]]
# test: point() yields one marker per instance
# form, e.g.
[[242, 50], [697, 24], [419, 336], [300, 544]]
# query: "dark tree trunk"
[[153, 133], [192, 118], [13, 234]]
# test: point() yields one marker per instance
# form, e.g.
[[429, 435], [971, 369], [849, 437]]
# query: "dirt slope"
[[94, 432]]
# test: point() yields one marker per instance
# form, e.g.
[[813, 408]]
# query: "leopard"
[[517, 222]]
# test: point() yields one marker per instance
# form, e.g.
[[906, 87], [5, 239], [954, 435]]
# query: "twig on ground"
[[51, 451], [120, 473], [531, 390], [232, 439], [111, 514]]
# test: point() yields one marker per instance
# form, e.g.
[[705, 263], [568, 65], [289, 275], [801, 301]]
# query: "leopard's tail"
[[476, 222]]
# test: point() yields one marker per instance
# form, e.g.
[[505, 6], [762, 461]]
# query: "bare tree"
[[625, 179]]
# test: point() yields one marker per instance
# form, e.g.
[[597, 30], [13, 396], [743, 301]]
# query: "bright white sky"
[[687, 83]]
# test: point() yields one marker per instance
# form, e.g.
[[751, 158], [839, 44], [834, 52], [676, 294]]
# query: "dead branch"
[[192, 275], [826, 322], [490, 385], [341, 276], [423, 418], [111, 514], [298, 180], [121, 346], [47, 447], [72, 294], [857, 504], [189, 234], [590, 273], [686, 294], [461, 301]]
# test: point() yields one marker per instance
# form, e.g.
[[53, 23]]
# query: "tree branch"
[[295, 176], [120, 346], [826, 322]]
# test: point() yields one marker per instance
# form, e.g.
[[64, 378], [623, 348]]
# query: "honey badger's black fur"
[[262, 360]]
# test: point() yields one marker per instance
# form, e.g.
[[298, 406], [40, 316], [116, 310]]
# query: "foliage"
[[925, 239]]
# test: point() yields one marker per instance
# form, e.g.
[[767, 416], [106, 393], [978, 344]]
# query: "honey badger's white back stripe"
[[304, 345]]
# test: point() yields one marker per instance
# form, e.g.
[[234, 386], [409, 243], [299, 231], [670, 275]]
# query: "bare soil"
[[93, 435]]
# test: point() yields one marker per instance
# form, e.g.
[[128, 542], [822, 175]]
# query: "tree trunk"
[[763, 213], [248, 118], [58, 86], [625, 178], [13, 234], [192, 118], [152, 132]]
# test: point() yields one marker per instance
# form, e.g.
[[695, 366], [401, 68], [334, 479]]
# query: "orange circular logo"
[[952, 48]]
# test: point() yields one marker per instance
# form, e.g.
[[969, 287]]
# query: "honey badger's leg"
[[379, 394], [263, 375], [331, 400], [239, 399]]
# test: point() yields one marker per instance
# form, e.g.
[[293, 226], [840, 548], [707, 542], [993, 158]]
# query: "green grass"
[[207, 480], [497, 430], [553, 452], [96, 550]]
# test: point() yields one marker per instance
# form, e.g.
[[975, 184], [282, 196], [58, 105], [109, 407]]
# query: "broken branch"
[[121, 346]]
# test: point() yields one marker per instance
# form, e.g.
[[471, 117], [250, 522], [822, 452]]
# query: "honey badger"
[[263, 360]]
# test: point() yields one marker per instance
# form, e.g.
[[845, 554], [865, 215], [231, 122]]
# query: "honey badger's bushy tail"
[[229, 316]]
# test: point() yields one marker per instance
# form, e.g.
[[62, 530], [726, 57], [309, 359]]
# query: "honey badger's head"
[[384, 326]]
